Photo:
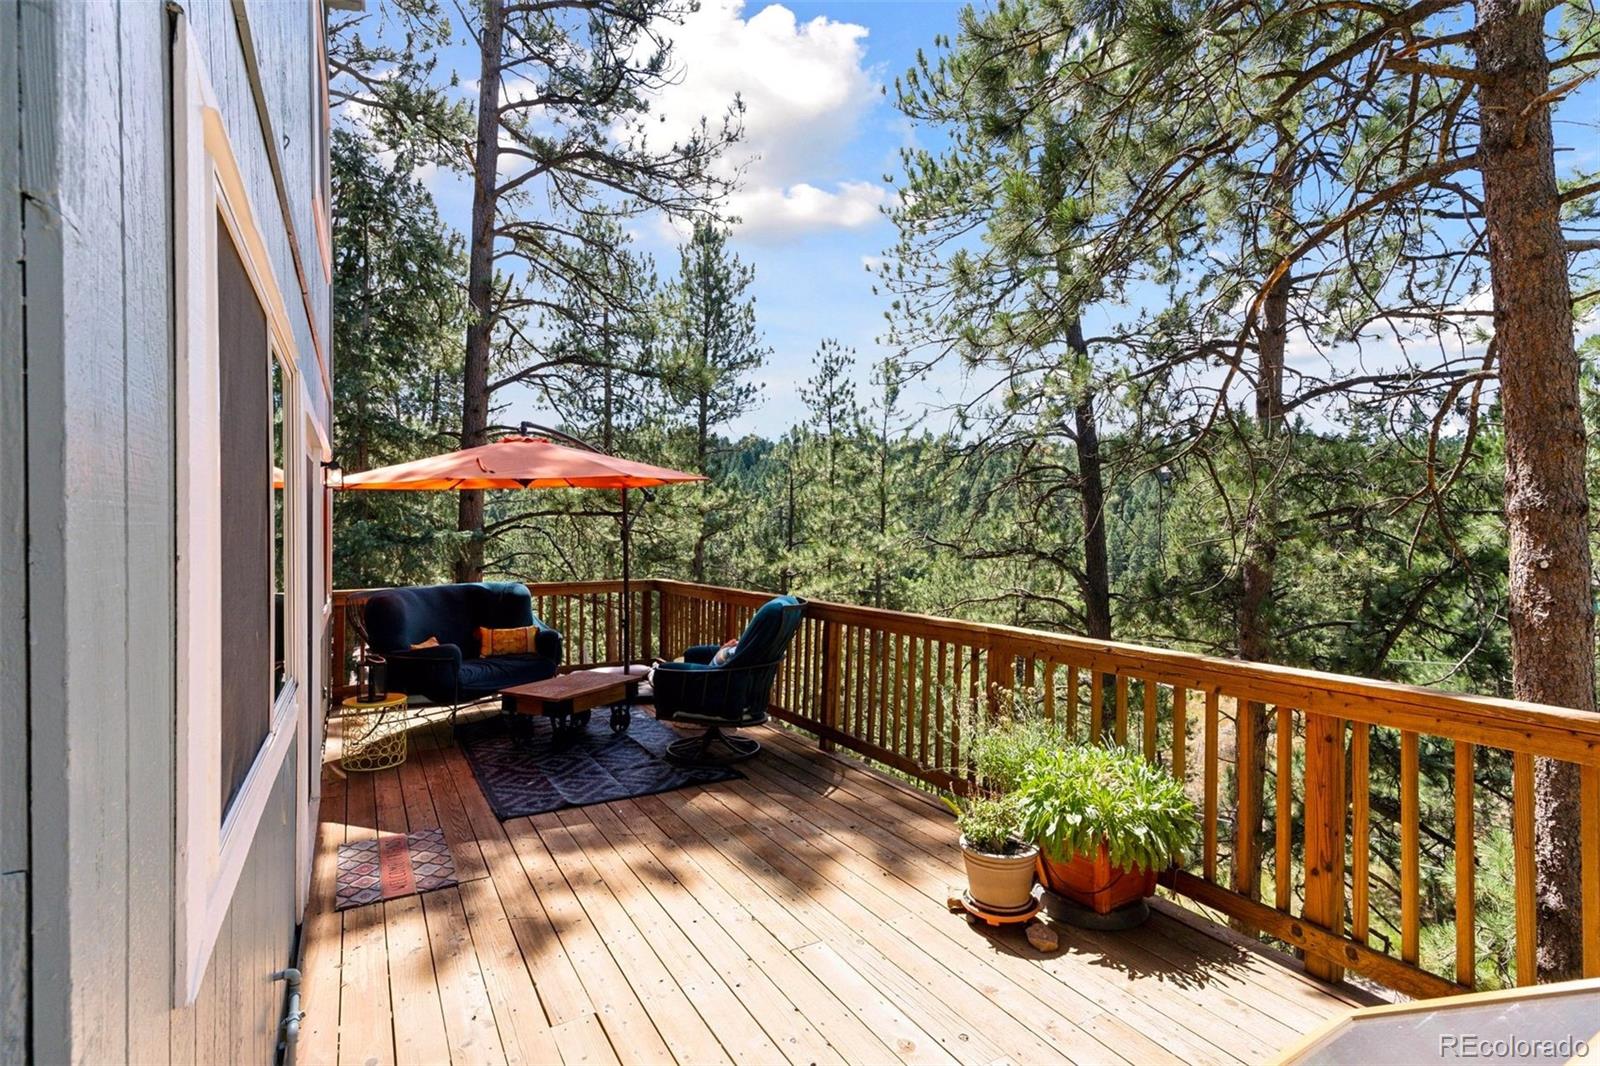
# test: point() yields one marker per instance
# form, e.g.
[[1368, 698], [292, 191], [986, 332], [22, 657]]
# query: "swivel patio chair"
[[729, 696]]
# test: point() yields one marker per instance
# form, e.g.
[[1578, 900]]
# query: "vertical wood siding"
[[99, 722], [13, 577]]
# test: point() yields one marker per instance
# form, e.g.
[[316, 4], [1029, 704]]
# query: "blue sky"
[[820, 136]]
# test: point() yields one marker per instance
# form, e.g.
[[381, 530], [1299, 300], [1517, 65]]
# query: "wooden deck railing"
[[888, 686]]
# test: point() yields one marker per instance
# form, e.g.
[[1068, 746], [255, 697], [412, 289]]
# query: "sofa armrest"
[[439, 653], [431, 672], [683, 668]]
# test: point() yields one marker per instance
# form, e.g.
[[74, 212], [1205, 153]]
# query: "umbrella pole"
[[627, 600]]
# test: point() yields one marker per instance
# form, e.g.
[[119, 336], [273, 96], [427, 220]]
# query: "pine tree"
[[396, 316], [711, 346]]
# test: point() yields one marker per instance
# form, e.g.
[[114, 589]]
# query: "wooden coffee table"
[[568, 700]]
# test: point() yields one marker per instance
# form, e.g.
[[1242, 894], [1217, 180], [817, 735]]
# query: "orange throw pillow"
[[506, 641]]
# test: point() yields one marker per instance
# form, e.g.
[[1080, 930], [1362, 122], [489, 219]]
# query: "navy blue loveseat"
[[454, 672]]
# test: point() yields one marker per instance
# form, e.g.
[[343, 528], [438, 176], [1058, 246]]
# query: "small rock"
[[1042, 937]]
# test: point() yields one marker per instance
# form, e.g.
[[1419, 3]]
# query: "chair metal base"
[[697, 751]]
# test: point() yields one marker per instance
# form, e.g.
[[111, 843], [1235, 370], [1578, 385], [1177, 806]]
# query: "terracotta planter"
[[1000, 883], [1095, 883]]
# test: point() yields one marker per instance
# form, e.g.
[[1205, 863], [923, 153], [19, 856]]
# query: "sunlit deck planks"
[[796, 916]]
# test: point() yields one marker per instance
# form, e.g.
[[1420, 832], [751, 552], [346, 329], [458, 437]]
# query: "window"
[[251, 587], [243, 597]]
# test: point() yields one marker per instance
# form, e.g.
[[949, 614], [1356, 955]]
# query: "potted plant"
[[998, 749], [1000, 865], [1106, 822]]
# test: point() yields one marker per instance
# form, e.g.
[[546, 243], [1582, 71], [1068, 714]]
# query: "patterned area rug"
[[392, 866], [524, 774]]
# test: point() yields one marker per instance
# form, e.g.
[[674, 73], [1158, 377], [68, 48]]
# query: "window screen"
[[249, 602]]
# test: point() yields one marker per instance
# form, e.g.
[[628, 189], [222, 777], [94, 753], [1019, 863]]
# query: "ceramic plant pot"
[[1000, 883]]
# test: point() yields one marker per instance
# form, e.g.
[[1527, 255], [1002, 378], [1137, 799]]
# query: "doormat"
[[392, 866], [521, 772]]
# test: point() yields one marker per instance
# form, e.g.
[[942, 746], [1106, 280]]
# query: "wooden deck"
[[795, 916]]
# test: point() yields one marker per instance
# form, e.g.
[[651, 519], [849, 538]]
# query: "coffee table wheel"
[[621, 719]]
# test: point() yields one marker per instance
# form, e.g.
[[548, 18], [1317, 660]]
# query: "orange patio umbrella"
[[521, 461], [518, 462]]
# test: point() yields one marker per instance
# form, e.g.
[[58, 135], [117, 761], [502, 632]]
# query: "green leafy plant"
[[1002, 747], [1071, 801], [989, 825]]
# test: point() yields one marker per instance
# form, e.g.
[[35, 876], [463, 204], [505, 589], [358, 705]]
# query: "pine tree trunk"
[[1257, 569], [1259, 563], [1092, 499], [480, 287], [702, 449], [1546, 498]]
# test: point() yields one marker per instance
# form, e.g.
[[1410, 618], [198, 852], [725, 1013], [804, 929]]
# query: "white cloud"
[[771, 210], [805, 88]]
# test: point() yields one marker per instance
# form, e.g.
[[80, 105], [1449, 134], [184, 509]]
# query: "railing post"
[[830, 682], [1325, 818], [1002, 669]]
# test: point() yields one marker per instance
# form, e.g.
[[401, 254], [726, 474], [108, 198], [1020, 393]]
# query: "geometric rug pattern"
[[522, 773], [394, 865]]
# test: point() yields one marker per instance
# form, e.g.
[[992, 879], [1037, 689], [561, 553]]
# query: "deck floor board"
[[795, 915]]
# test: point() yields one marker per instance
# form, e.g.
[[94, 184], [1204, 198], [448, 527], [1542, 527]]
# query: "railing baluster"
[[1210, 801], [1148, 688], [1122, 709], [1180, 732], [927, 666], [1589, 833], [882, 673], [1410, 850], [896, 695], [863, 726], [1072, 701], [1050, 691], [1360, 826], [1522, 844], [958, 709], [1245, 815], [1466, 890], [1283, 793], [1096, 703], [938, 709]]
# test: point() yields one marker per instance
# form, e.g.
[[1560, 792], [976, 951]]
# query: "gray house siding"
[[87, 596], [13, 586]]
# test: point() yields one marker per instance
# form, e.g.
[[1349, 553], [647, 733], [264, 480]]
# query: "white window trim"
[[316, 676], [211, 850]]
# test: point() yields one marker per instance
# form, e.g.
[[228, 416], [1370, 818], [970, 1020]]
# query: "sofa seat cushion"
[[492, 673]]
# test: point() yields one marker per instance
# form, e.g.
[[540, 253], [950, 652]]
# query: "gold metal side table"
[[374, 733]]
